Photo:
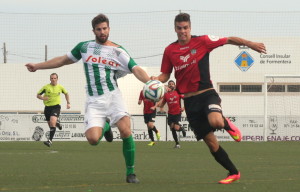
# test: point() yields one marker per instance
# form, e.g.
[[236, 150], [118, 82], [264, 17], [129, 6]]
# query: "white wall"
[[18, 87]]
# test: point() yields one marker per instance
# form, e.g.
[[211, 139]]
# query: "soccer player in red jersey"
[[189, 57], [149, 117], [173, 100]]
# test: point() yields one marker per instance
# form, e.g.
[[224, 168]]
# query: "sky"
[[116, 6]]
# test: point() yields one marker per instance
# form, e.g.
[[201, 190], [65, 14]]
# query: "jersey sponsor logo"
[[93, 59], [177, 68], [185, 58], [182, 48], [213, 38], [173, 100]]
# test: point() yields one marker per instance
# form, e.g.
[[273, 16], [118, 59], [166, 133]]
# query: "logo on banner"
[[244, 61], [38, 133], [273, 124]]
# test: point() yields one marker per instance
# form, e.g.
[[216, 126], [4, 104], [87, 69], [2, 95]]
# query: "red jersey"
[[191, 62], [147, 104], [172, 98]]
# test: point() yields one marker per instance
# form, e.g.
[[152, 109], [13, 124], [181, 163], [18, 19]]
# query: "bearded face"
[[101, 32], [171, 85]]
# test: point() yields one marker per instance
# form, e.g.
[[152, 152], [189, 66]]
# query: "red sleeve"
[[213, 42], [166, 65], [141, 95]]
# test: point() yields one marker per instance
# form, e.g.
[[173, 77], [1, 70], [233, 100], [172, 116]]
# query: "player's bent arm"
[[140, 102], [164, 77], [259, 47], [162, 103], [68, 100], [140, 74], [52, 63], [40, 97]]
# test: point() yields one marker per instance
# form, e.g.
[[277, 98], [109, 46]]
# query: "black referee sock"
[[175, 136], [151, 134], [52, 132], [154, 129], [222, 157]]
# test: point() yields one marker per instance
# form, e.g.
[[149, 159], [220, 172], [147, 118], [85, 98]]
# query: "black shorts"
[[174, 119], [149, 117], [51, 111], [197, 109]]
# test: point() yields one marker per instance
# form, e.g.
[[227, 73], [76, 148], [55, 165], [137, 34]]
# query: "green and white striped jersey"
[[102, 65]]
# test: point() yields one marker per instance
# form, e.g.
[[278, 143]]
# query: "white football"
[[154, 90]]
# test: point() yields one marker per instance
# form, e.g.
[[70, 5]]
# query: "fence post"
[[46, 52], [4, 53]]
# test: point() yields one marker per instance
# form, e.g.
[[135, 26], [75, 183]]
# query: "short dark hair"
[[182, 17], [171, 81], [54, 74], [101, 18]]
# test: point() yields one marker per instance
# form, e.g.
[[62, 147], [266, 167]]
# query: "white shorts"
[[102, 107]]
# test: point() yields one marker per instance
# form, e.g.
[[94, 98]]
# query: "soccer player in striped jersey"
[[103, 62], [189, 57]]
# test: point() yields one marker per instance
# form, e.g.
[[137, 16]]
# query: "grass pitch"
[[79, 167]]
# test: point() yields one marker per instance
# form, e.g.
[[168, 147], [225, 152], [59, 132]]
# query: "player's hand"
[[259, 47], [31, 67], [167, 88], [153, 78], [68, 106], [45, 98]]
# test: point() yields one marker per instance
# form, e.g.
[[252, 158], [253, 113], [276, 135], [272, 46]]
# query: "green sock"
[[106, 128], [129, 154]]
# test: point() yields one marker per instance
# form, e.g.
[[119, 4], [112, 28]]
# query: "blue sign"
[[244, 61]]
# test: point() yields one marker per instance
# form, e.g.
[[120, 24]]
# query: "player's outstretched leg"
[[129, 155], [177, 145], [48, 143], [231, 178], [223, 159], [182, 130], [151, 137], [233, 131], [156, 133], [58, 125], [51, 135], [131, 178]]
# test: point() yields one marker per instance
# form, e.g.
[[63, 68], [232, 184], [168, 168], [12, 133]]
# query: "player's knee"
[[177, 127], [125, 133], [217, 124], [93, 140]]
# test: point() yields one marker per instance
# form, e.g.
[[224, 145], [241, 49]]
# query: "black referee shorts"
[[52, 111]]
